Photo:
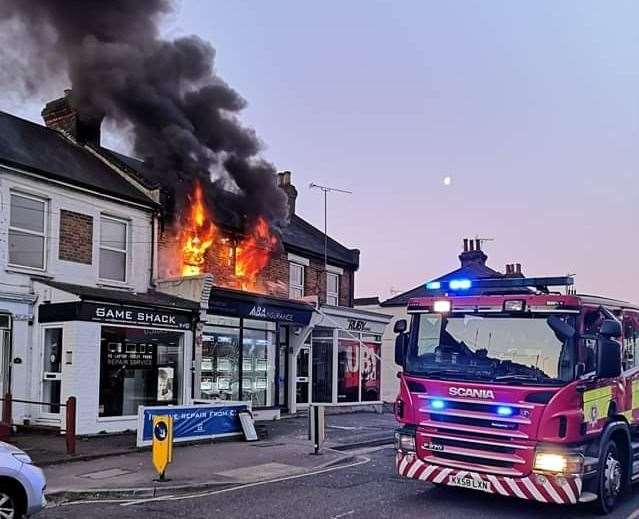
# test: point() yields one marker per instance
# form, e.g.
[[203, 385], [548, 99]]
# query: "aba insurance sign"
[[193, 422]]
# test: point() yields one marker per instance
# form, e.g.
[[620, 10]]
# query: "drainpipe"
[[154, 255]]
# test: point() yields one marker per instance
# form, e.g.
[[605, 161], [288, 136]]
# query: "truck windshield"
[[502, 349]]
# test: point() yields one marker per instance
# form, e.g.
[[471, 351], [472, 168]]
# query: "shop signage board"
[[259, 309], [193, 422], [114, 314]]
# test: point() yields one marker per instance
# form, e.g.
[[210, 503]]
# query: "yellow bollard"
[[162, 446]]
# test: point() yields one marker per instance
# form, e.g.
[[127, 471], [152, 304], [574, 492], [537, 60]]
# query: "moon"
[[447, 180]]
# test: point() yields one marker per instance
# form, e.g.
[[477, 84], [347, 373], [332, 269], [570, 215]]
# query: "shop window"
[[371, 368], [332, 289], [258, 362], [359, 367], [220, 367], [138, 367], [113, 249], [27, 229], [295, 280], [348, 370]]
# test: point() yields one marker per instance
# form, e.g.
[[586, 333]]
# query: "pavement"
[[364, 488], [111, 467]]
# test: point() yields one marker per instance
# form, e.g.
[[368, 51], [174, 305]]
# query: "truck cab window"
[[630, 340]]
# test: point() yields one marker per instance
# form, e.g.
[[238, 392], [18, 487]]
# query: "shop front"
[[247, 344], [340, 361], [112, 356]]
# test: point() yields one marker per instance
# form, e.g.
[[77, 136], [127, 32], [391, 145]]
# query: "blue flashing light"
[[460, 284], [433, 285], [437, 404], [503, 410]]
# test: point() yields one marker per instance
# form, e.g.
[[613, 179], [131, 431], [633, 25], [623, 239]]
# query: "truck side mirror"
[[608, 358], [401, 342], [400, 326]]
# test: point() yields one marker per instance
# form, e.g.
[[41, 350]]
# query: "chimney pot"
[[518, 267], [465, 244], [477, 244]]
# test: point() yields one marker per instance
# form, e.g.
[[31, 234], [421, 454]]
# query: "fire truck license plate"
[[475, 484]]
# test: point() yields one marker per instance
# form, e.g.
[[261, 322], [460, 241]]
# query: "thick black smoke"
[[182, 114]]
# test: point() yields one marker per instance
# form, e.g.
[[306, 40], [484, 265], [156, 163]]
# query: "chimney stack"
[[513, 270], [284, 183], [61, 115], [472, 253]]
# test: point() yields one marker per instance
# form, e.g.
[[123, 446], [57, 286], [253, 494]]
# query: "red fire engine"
[[519, 391]]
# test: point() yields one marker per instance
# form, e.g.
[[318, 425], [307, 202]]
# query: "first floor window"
[[332, 289], [296, 280], [113, 249], [138, 367], [27, 227]]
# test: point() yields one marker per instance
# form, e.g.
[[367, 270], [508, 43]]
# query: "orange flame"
[[252, 254], [247, 256], [196, 236]]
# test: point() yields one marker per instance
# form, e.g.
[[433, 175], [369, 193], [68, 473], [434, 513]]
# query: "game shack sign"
[[115, 314]]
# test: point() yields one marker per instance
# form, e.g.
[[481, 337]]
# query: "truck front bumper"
[[534, 487]]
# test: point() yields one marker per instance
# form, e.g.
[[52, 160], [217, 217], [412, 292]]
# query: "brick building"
[[88, 306]]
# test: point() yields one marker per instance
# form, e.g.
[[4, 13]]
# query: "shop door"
[[52, 373], [282, 366], [303, 360]]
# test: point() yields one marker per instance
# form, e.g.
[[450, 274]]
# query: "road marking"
[[362, 461], [338, 516], [634, 515]]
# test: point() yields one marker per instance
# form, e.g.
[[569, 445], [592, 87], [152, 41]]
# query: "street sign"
[[316, 426], [162, 446]]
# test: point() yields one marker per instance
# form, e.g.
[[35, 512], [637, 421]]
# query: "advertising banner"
[[193, 422]]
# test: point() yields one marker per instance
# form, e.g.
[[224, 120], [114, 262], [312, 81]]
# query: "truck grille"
[[470, 435]]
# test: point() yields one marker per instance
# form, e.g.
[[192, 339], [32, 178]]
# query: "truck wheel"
[[609, 478]]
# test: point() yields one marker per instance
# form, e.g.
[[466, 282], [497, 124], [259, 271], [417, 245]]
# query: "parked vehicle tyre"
[[9, 504], [609, 478]]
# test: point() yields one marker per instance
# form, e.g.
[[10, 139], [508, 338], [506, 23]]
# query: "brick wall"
[[273, 280], [76, 237]]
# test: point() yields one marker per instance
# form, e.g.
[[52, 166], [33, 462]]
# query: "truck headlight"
[[404, 442], [558, 463]]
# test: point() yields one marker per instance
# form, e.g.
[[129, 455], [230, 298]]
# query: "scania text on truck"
[[510, 388]]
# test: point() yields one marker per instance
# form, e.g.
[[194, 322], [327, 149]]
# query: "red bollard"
[[70, 434]]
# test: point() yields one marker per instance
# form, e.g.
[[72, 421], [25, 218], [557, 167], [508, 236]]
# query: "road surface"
[[367, 488]]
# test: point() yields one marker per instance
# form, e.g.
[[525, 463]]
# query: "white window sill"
[[114, 284], [26, 270]]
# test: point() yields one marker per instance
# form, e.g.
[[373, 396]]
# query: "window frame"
[[335, 294], [126, 251], [296, 286], [45, 226]]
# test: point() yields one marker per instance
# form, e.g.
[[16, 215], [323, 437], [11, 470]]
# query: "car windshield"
[[499, 348]]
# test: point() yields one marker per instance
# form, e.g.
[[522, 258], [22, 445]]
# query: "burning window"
[[236, 259]]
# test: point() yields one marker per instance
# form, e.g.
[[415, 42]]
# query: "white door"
[[51, 373], [302, 380]]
